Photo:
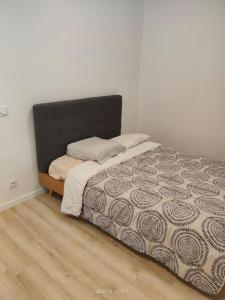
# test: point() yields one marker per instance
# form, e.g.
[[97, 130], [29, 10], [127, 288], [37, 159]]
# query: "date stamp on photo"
[[112, 291]]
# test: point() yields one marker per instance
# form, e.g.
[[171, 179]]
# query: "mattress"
[[162, 202], [60, 167]]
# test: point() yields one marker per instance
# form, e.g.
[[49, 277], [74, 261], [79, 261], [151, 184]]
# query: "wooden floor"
[[46, 255]]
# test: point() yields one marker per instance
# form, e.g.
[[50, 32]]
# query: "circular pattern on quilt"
[[220, 183], [180, 213], [152, 225], [119, 171], [204, 189], [166, 157], [97, 178], [190, 164], [218, 269], [167, 167], [148, 153], [170, 178], [145, 160], [95, 199], [211, 205], [144, 170], [190, 247], [207, 162], [166, 257], [121, 211], [174, 192], [129, 163], [219, 163], [195, 175], [86, 213], [116, 186], [187, 156], [145, 198], [216, 171], [202, 281], [161, 149], [106, 224], [145, 181], [211, 162], [214, 231], [133, 240]]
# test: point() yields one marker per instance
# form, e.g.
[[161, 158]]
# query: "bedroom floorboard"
[[46, 255]]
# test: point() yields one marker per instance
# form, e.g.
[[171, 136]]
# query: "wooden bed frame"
[[58, 124], [51, 184]]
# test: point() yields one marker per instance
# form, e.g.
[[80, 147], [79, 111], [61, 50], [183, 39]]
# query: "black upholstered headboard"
[[59, 123]]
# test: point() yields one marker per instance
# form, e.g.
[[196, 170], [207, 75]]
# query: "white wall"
[[56, 50], [67, 49], [182, 78]]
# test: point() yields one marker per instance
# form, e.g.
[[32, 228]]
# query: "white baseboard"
[[22, 199]]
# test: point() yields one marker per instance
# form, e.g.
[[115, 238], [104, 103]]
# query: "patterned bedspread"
[[169, 205]]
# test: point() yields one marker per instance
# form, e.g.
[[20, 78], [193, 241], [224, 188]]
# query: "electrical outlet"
[[4, 111], [13, 184]]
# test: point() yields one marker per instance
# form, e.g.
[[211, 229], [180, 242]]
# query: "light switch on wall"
[[4, 111]]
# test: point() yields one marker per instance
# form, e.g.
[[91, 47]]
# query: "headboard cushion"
[[59, 123]]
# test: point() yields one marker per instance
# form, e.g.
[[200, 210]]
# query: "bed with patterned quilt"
[[165, 203]]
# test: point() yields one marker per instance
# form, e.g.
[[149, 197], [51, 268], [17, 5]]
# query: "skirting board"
[[22, 199]]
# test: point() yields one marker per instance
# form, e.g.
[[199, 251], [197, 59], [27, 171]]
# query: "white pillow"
[[131, 139], [95, 149]]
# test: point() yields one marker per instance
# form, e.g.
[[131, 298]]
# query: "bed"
[[159, 201]]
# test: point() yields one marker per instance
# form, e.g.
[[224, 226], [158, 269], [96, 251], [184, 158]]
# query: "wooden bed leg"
[[50, 193]]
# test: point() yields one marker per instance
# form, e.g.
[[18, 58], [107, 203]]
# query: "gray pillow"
[[95, 149]]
